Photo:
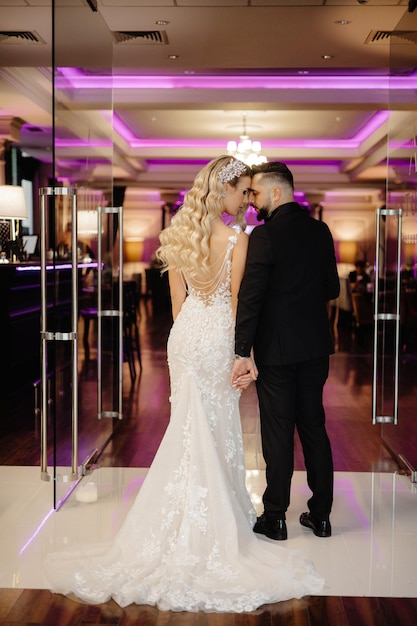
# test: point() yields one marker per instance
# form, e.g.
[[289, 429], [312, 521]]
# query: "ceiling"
[[125, 110]]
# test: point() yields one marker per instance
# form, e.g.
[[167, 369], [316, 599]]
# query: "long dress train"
[[187, 543]]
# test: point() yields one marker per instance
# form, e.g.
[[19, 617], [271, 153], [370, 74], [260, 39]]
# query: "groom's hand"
[[244, 372]]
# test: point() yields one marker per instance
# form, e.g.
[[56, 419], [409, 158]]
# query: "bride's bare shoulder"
[[222, 230]]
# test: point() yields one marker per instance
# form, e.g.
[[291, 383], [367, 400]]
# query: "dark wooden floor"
[[33, 607], [356, 444]]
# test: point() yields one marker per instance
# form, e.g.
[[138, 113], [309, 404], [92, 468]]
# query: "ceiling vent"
[[140, 37], [20, 36], [392, 36]]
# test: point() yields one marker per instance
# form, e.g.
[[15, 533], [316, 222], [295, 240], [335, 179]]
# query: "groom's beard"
[[262, 214]]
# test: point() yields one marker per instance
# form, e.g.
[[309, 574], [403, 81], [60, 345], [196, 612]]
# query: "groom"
[[282, 314]]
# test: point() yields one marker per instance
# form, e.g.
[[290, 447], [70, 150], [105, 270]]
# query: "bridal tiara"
[[233, 169]]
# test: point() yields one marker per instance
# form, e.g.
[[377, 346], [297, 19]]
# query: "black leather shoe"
[[272, 528], [321, 528]]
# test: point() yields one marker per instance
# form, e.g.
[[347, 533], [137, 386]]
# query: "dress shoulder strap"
[[205, 285]]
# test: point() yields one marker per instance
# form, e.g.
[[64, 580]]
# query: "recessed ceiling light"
[[162, 22], [342, 22], [173, 56], [327, 56]]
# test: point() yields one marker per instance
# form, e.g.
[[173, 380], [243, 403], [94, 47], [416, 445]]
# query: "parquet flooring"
[[40, 607]]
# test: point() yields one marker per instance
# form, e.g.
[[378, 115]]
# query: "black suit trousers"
[[292, 396]]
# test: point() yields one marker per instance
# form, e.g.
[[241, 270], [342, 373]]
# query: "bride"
[[187, 543]]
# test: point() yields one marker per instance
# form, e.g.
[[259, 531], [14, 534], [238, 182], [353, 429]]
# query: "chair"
[[87, 314], [363, 310], [131, 337], [137, 278]]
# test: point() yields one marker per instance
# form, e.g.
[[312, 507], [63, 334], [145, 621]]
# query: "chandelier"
[[246, 150]]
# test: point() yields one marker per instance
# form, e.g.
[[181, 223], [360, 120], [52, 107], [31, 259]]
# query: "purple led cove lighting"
[[315, 144], [79, 80], [83, 143], [121, 128], [399, 145], [218, 145], [179, 161], [71, 72], [350, 144], [215, 144], [202, 162], [374, 123]]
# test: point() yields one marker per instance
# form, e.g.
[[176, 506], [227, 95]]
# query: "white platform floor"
[[372, 552]]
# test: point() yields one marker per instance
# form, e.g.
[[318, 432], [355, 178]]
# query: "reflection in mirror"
[[395, 353]]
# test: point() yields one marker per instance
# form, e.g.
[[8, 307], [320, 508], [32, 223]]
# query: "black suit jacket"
[[290, 275]]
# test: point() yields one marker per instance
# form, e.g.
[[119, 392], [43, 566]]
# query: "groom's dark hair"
[[275, 169]]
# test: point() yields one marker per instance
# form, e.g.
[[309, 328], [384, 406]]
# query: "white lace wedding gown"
[[187, 543]]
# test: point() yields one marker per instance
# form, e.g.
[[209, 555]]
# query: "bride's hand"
[[243, 381]]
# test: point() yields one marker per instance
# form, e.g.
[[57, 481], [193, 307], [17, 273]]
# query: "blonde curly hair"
[[185, 242]]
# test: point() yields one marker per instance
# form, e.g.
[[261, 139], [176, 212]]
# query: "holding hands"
[[244, 372]]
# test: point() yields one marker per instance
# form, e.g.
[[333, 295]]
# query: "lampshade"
[[348, 251], [133, 249], [12, 202], [87, 222]]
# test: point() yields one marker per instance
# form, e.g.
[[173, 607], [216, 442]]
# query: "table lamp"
[[12, 207]]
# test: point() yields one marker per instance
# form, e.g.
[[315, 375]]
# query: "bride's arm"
[[238, 267], [177, 291]]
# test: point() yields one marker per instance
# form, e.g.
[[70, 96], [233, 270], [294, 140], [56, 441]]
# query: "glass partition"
[[75, 430], [396, 383]]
